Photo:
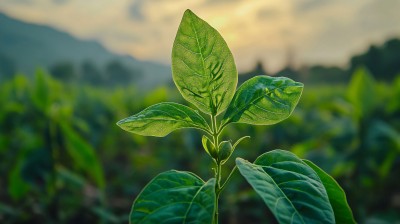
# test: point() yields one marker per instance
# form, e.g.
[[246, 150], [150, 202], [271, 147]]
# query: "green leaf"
[[337, 197], [263, 100], [203, 67], [209, 147], [17, 186], [40, 94], [175, 197], [291, 189], [84, 155], [238, 141], [161, 119], [361, 92]]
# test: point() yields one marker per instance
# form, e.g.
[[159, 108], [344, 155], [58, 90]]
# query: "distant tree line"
[[382, 61], [113, 73], [7, 67]]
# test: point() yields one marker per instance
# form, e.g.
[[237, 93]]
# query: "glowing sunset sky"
[[317, 31]]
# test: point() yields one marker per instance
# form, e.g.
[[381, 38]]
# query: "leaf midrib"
[[198, 44], [244, 107], [210, 91], [191, 203], [166, 120], [281, 192], [252, 103]]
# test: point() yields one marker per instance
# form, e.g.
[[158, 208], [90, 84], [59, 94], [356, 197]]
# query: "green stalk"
[[218, 173], [215, 136], [227, 180]]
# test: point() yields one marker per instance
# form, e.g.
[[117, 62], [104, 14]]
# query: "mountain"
[[27, 46]]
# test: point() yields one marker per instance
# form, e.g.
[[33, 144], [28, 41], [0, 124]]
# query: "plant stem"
[[218, 173], [215, 136], [227, 180]]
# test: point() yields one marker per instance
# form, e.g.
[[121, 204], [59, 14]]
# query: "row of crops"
[[64, 160]]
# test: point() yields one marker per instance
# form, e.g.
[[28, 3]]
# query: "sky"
[[311, 31]]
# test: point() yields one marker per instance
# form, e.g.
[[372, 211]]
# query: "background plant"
[[330, 137], [204, 71], [365, 160]]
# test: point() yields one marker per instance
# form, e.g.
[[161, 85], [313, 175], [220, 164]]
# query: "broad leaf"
[[291, 189], [361, 92], [17, 186], [203, 67], [161, 119], [337, 197], [41, 96], [84, 156], [175, 197], [263, 100]]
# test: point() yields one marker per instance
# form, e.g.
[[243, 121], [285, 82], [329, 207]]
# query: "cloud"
[[325, 31], [21, 2], [60, 2], [267, 13], [214, 2], [136, 10], [379, 15], [303, 6], [331, 32]]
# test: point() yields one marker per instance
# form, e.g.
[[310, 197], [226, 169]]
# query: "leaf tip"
[[120, 122], [239, 160], [188, 11]]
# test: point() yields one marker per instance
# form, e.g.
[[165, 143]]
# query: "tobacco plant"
[[203, 69]]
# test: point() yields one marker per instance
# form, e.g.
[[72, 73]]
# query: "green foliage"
[[321, 129], [205, 74], [163, 118], [84, 156], [263, 100], [175, 197], [40, 140], [7, 67], [63, 71], [209, 146], [203, 67], [290, 188], [225, 150], [337, 197], [41, 96], [382, 61], [17, 187], [361, 92]]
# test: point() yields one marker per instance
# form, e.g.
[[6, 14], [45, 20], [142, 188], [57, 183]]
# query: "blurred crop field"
[[70, 70], [63, 159]]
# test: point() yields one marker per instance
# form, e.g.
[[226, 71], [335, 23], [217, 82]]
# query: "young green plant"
[[203, 69]]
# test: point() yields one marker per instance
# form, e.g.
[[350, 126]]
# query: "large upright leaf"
[[175, 197], [337, 197], [84, 155], [17, 186], [203, 67], [291, 189], [361, 92], [40, 94], [163, 118], [264, 100]]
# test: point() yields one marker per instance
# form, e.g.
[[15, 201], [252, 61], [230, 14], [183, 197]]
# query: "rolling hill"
[[29, 46]]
